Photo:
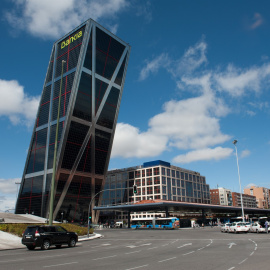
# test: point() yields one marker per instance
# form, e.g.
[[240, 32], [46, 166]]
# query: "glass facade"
[[92, 85]]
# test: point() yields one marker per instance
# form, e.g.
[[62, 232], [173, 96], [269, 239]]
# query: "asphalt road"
[[122, 249]]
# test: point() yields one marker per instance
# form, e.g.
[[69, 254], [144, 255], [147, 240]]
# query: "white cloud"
[[251, 113], [8, 193], [153, 66], [143, 9], [190, 123], [192, 59], [16, 104], [51, 19], [130, 142], [257, 21], [204, 154], [251, 185], [235, 81], [184, 124], [7, 203], [9, 186], [245, 153]]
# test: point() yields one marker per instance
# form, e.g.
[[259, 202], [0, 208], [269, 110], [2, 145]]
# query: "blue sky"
[[198, 78]]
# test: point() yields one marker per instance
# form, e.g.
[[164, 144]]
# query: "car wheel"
[[235, 231], [31, 247], [45, 245], [72, 242], [58, 246], [257, 231]]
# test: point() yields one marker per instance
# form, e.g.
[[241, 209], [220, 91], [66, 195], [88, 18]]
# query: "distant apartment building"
[[221, 196], [262, 195], [248, 200]]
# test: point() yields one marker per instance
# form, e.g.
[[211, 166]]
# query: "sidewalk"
[[10, 241]]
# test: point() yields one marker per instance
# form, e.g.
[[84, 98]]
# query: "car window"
[[60, 229], [49, 229], [30, 230], [41, 230]]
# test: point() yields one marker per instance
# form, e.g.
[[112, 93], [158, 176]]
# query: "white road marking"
[[231, 268], [251, 253], [52, 256], [231, 244], [104, 258], [243, 261], [201, 248], [132, 246], [106, 245], [59, 264], [188, 253], [12, 260], [189, 244], [138, 267], [152, 248], [168, 259], [133, 252]]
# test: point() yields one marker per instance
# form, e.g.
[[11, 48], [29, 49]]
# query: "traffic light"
[[135, 189]]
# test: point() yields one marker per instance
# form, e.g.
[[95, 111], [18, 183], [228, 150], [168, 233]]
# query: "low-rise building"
[[221, 196]]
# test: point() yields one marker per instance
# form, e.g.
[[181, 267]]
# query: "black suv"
[[45, 236]]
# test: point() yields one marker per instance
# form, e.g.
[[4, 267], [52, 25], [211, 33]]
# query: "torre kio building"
[[92, 83]]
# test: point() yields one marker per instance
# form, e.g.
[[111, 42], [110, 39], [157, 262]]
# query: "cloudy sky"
[[198, 78]]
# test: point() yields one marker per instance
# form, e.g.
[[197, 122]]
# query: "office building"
[[90, 81], [155, 180]]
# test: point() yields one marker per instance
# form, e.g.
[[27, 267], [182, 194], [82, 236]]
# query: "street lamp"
[[91, 201], [55, 149], [243, 216]]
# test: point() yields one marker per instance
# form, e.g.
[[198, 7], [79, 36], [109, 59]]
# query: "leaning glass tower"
[[92, 85]]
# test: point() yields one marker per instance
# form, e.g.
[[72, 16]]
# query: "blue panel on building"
[[156, 163]]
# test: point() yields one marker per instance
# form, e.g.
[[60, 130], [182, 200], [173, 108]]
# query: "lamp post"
[[89, 209], [55, 149], [243, 215], [90, 204]]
